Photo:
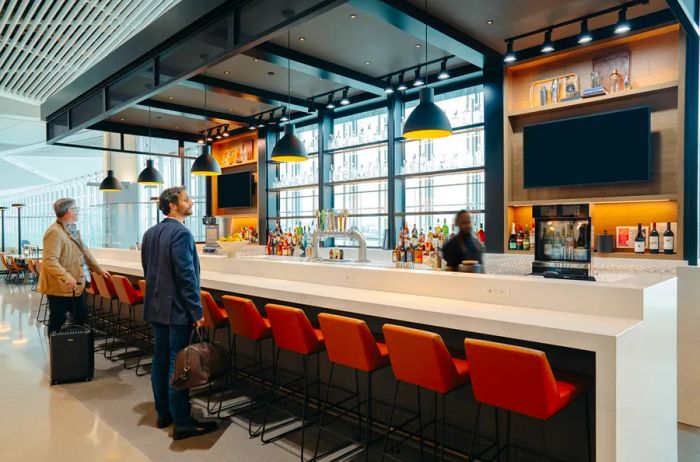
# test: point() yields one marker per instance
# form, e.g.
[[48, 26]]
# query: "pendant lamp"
[[289, 148], [205, 164], [150, 175], [110, 183], [427, 121]]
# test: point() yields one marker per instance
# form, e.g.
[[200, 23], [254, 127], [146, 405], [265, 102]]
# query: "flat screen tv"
[[235, 190], [611, 147]]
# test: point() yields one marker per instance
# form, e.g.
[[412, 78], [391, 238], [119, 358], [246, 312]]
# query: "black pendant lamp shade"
[[289, 148], [427, 121], [205, 164], [150, 175], [110, 183]]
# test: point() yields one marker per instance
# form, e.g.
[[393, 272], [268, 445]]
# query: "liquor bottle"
[[414, 232], [418, 254], [513, 242], [654, 239], [569, 243], [438, 229], [445, 229], [581, 241], [526, 238], [519, 238], [410, 254], [639, 240], [668, 240], [547, 245], [482, 234], [532, 235], [558, 247]]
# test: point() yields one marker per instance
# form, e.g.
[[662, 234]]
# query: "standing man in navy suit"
[[172, 305]]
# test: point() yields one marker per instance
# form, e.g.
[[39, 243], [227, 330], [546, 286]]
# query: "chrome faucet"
[[352, 233]]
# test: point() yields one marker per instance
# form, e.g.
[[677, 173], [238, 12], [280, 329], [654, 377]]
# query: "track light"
[[623, 25], [443, 71], [260, 122], [417, 81], [585, 36], [389, 89], [345, 101], [331, 104], [200, 141], [271, 119], [402, 86], [547, 45], [209, 137], [226, 131], [218, 135], [510, 54], [252, 127], [284, 117]]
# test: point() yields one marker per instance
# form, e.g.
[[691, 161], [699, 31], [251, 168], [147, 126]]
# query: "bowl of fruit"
[[232, 244]]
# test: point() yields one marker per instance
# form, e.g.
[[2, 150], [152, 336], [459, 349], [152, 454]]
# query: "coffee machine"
[[211, 233]]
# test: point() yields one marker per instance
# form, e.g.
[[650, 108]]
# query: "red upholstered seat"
[[245, 319], [421, 358], [214, 316], [126, 293], [519, 379], [292, 330], [350, 343]]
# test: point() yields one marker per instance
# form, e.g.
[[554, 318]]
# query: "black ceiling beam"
[[127, 129], [316, 67], [685, 17], [649, 21], [413, 20], [249, 93], [165, 107]]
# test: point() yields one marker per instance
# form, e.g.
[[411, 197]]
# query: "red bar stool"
[[292, 332], [214, 317], [129, 297], [421, 358], [521, 380], [350, 343], [113, 327], [246, 321]]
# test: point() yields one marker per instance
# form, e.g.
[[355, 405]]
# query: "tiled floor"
[[112, 417]]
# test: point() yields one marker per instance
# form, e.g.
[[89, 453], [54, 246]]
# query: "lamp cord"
[[426, 44], [289, 70]]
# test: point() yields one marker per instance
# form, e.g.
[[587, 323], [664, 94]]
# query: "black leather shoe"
[[164, 421], [195, 428]]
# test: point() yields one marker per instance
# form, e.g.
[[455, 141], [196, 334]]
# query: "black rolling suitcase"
[[72, 357]]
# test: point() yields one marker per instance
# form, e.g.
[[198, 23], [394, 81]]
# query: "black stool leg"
[[368, 430], [391, 418], [476, 427], [420, 422], [498, 435], [323, 408], [589, 452]]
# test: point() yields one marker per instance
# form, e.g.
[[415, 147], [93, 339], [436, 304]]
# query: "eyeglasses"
[[76, 209]]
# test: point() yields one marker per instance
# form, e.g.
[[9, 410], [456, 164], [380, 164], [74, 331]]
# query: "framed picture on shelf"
[[625, 236]]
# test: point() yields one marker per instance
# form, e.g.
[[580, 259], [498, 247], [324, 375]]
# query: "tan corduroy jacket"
[[63, 261]]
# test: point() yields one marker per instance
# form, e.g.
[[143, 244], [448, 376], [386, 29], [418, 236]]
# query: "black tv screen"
[[611, 147], [235, 190]]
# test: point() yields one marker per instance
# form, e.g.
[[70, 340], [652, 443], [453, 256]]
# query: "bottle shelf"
[[357, 147], [288, 188], [647, 255], [356, 180], [666, 86]]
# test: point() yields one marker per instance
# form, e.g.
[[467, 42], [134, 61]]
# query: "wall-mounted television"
[[235, 190], [610, 147]]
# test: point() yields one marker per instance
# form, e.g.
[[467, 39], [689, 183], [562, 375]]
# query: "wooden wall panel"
[[219, 151]]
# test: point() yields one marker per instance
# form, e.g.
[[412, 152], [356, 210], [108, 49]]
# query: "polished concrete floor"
[[112, 417]]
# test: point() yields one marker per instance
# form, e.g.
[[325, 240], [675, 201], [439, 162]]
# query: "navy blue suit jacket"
[[171, 269]]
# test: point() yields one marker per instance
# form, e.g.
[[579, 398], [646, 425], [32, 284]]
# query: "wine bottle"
[[668, 240], [513, 242], [445, 229], [654, 239], [482, 234], [519, 238], [639, 240], [581, 241], [547, 245], [526, 238]]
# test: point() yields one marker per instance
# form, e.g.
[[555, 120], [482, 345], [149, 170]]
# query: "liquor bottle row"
[[521, 239], [562, 244], [291, 243], [655, 239], [418, 247]]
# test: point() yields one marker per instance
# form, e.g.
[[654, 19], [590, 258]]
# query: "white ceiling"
[[48, 43]]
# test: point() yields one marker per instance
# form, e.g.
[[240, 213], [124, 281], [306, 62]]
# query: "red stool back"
[[421, 358], [517, 379], [105, 287], [125, 291], [350, 343], [142, 287], [245, 319], [292, 330], [214, 315]]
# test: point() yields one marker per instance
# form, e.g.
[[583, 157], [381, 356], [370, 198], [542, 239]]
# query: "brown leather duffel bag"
[[198, 364]]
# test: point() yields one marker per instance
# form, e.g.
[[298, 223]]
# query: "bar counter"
[[628, 320]]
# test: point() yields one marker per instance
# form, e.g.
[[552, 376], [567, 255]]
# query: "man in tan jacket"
[[65, 263]]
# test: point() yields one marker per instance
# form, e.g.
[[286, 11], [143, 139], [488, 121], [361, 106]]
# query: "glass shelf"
[[356, 180]]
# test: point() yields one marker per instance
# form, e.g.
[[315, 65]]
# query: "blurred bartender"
[[463, 246]]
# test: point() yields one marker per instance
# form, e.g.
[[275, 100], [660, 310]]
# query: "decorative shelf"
[[240, 164], [356, 147], [596, 99], [441, 172], [596, 200], [356, 180], [287, 188]]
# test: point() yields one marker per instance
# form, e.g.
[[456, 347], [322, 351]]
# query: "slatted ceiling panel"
[[45, 44]]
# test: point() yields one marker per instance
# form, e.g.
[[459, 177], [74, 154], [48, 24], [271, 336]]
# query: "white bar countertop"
[[628, 318]]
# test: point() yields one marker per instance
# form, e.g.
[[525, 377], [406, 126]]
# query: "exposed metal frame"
[[165, 107]]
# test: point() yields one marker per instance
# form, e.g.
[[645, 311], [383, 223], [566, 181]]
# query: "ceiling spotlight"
[[510, 55], [200, 141], [402, 86], [417, 81], [252, 127], [418, 45], [226, 132], [443, 71], [256, 60], [302, 39], [218, 134], [345, 101], [353, 16], [389, 89], [368, 63], [227, 72], [490, 21], [209, 138], [623, 25], [170, 97], [284, 117], [585, 36], [547, 45], [330, 104], [260, 122], [271, 119]]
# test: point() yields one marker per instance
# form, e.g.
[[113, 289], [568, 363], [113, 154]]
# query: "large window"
[[434, 178]]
